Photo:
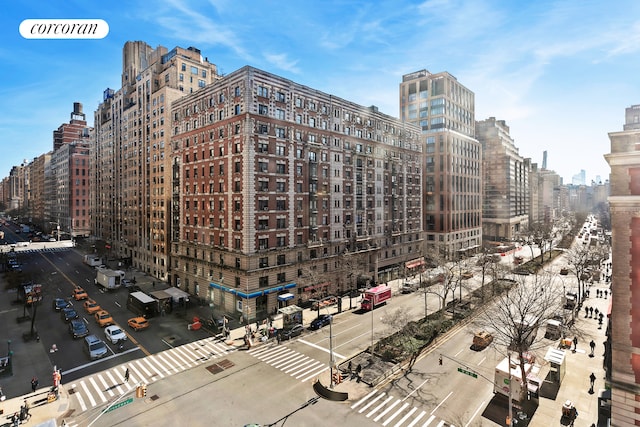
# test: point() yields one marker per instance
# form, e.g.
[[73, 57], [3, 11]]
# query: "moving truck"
[[109, 279], [375, 297], [508, 379]]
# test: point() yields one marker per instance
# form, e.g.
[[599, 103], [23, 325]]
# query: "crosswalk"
[[389, 411], [297, 365], [105, 386], [36, 251]]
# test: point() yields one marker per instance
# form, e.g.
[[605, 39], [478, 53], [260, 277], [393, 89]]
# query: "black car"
[[60, 303], [68, 314], [320, 321], [78, 329], [294, 331]]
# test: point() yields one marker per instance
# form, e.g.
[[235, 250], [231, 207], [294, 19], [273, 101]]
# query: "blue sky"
[[560, 73]]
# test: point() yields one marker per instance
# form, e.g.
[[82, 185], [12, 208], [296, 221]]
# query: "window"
[[280, 114], [264, 281], [236, 91], [280, 223], [281, 259], [280, 133], [263, 110], [280, 97], [263, 91], [237, 109], [282, 277], [280, 168], [194, 70], [264, 262]]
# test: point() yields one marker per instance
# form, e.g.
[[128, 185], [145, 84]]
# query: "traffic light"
[[141, 391]]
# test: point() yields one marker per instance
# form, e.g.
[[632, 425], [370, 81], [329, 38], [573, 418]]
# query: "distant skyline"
[[559, 73]]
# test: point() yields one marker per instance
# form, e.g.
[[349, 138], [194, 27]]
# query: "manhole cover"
[[170, 339], [226, 363], [220, 366], [214, 369], [71, 391], [154, 397]]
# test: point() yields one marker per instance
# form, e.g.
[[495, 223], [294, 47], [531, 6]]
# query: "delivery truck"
[[508, 379], [375, 297], [109, 279]]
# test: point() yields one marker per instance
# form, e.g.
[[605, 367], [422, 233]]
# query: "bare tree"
[[353, 265], [515, 315], [581, 259], [408, 337]]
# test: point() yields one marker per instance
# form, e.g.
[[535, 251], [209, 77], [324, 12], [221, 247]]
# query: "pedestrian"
[[586, 311], [153, 284], [592, 344], [597, 311], [126, 376], [278, 337], [590, 311], [600, 317], [34, 384], [15, 419], [575, 343], [598, 293], [605, 293], [592, 378]]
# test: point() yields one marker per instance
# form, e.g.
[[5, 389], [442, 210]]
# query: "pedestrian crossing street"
[[297, 365], [106, 386], [389, 411]]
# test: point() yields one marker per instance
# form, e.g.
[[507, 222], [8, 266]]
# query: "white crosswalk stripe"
[[297, 365], [101, 388], [385, 409]]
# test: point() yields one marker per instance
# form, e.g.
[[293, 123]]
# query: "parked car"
[[564, 271], [95, 347], [78, 329], [138, 323], [115, 334], [68, 314], [320, 321], [293, 331], [60, 303], [103, 318], [91, 307], [80, 294]]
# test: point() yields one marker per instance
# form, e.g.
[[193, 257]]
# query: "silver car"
[[95, 347]]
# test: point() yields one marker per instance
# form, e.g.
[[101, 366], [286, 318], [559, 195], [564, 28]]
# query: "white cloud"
[[281, 61]]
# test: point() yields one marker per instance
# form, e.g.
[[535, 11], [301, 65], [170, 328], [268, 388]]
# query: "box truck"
[[92, 260], [508, 379], [109, 279], [375, 297]]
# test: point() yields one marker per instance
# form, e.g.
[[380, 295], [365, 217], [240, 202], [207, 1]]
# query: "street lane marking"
[[474, 414], [315, 374], [415, 421], [374, 410], [443, 400], [365, 407], [483, 359], [310, 344], [431, 418], [406, 417], [395, 414], [387, 410], [415, 389], [355, 405]]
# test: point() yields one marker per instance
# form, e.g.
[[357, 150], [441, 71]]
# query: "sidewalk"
[[579, 366]]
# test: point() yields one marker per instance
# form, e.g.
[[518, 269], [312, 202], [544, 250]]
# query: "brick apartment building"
[[622, 358], [284, 193]]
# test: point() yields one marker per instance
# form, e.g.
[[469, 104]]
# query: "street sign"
[[471, 374], [119, 404]]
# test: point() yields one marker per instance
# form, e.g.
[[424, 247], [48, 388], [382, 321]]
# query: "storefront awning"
[[414, 263], [286, 297]]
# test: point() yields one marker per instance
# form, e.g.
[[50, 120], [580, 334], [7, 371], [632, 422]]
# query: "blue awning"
[[290, 285], [222, 288], [276, 289], [286, 297]]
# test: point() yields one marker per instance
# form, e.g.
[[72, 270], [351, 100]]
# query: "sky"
[[559, 73]]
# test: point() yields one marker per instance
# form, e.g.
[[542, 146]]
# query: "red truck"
[[374, 297]]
